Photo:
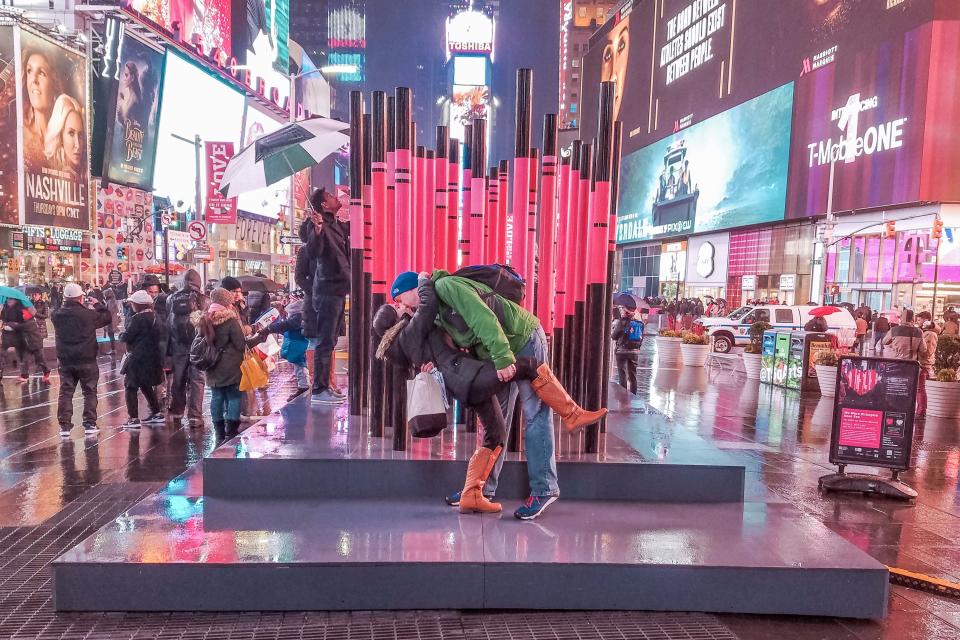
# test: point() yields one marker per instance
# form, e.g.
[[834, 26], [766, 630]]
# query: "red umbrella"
[[824, 311]]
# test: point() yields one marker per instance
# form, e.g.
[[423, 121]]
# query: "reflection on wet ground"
[[54, 492]]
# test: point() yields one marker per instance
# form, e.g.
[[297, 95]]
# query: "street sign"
[[290, 240], [197, 231], [114, 277], [166, 219]]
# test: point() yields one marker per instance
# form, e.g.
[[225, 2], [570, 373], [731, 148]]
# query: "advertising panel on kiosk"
[[52, 107], [873, 415]]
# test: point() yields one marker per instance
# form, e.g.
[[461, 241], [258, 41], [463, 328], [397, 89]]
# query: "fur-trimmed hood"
[[217, 317]]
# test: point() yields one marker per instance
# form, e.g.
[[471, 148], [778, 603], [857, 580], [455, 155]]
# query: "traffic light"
[[937, 230], [890, 229]]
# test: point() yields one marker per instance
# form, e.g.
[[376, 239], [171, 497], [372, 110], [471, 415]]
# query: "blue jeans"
[[538, 437], [225, 403]]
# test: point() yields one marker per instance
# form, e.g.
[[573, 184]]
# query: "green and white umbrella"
[[281, 154]]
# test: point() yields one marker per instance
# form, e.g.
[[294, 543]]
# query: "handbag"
[[426, 411], [253, 373]]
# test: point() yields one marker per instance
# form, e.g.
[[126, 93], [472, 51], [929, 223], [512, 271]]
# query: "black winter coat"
[[327, 255], [180, 327], [75, 328], [42, 313], [145, 360]]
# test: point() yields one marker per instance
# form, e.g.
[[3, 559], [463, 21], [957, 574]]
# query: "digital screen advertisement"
[[132, 131], [271, 200], [864, 114], [217, 118], [205, 22], [873, 416], [728, 171], [55, 176]]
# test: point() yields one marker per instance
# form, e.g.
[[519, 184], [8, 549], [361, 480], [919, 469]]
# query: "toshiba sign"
[[470, 32]]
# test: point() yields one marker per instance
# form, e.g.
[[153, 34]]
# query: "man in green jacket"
[[499, 330]]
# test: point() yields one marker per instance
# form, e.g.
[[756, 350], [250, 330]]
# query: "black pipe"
[[441, 147], [368, 307], [355, 327], [524, 113], [404, 100], [580, 344], [611, 257], [391, 123]]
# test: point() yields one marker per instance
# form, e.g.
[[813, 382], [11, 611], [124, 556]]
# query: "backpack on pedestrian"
[[204, 355], [180, 306], [502, 279]]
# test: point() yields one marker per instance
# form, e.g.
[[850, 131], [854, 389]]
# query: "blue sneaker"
[[534, 507], [453, 499]]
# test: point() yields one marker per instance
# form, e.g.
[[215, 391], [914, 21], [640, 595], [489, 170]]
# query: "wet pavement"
[[55, 492]]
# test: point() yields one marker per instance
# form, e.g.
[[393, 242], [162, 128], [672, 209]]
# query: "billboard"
[[183, 117], [204, 22], [52, 110], [466, 104], [864, 113], [268, 18], [9, 158], [131, 140], [678, 62], [728, 171]]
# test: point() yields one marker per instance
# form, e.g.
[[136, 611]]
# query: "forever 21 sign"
[[254, 230]]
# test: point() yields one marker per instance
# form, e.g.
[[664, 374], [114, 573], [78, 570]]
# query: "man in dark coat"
[[76, 334], [326, 236], [187, 379]]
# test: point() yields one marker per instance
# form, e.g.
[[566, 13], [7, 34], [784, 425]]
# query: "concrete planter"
[[694, 355], [943, 399], [751, 364], [827, 378], [668, 351]]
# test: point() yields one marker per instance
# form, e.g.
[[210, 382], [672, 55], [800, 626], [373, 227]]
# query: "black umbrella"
[[257, 283]]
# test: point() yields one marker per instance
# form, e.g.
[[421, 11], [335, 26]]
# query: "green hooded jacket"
[[478, 327]]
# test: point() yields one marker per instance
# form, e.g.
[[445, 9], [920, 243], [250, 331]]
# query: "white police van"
[[734, 329]]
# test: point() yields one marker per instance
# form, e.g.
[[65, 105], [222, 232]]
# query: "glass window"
[[784, 316]]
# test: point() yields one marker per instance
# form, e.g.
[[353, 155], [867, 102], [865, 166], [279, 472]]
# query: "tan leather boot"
[[472, 499], [549, 389]]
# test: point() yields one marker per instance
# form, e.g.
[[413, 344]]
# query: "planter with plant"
[[826, 366], [752, 353], [695, 349], [943, 391], [668, 347]]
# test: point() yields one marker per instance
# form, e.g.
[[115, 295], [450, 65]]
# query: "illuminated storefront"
[[44, 254]]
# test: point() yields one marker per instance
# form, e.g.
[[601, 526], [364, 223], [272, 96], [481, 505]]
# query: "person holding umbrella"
[[627, 335], [19, 321], [326, 236]]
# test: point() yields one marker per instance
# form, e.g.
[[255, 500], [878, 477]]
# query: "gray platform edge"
[[254, 478], [847, 593]]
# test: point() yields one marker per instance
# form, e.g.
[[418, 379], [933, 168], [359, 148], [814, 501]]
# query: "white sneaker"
[[65, 430], [90, 427]]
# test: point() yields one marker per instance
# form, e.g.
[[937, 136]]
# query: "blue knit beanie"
[[406, 281]]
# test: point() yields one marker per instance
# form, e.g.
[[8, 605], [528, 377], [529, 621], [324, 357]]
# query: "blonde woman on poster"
[[65, 137]]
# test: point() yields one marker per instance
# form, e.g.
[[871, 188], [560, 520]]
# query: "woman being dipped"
[[415, 340]]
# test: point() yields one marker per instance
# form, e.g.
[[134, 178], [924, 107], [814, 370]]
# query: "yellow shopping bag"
[[253, 373]]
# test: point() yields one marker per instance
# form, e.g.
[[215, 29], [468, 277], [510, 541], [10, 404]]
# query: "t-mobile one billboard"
[[863, 113]]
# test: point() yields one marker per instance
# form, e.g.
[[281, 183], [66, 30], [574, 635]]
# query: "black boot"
[[233, 428], [219, 431]]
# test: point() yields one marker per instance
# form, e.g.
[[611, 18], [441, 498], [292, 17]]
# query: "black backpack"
[[501, 278], [203, 354]]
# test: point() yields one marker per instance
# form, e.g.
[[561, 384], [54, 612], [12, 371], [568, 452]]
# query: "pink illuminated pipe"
[[533, 187], [492, 222], [546, 280], [503, 204], [478, 192], [467, 184], [404, 214], [453, 205]]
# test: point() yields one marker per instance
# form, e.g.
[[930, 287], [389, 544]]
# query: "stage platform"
[[373, 547]]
